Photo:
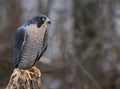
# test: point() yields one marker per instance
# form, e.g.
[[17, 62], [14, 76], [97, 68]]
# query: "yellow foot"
[[29, 73], [36, 70]]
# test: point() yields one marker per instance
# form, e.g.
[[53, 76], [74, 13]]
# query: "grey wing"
[[18, 45], [44, 46]]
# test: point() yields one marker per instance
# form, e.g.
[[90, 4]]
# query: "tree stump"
[[20, 80]]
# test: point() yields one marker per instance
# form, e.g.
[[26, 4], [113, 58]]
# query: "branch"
[[85, 71]]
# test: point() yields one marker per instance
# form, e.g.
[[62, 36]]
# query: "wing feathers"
[[18, 44], [44, 46]]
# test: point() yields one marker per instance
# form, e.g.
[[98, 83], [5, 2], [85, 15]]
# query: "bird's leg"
[[34, 68], [29, 73]]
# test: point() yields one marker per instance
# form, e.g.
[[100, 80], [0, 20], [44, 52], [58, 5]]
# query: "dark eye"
[[40, 18]]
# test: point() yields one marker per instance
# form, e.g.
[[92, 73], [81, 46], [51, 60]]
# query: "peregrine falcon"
[[31, 40]]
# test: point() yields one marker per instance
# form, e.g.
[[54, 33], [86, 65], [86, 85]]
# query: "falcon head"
[[39, 20]]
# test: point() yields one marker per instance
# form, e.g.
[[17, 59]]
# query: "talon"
[[28, 73], [36, 70]]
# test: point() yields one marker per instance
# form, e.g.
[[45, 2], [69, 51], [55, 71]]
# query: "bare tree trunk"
[[21, 80]]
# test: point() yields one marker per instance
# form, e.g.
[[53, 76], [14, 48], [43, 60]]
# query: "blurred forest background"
[[84, 42]]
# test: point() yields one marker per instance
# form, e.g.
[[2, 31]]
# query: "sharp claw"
[[32, 71], [28, 73], [36, 70]]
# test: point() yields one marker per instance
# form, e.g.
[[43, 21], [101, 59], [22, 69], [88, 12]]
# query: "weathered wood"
[[20, 80]]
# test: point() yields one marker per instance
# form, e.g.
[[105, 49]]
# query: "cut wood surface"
[[21, 80]]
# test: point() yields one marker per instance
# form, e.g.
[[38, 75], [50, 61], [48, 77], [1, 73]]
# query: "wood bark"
[[20, 80]]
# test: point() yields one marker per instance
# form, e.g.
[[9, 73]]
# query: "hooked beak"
[[47, 21]]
